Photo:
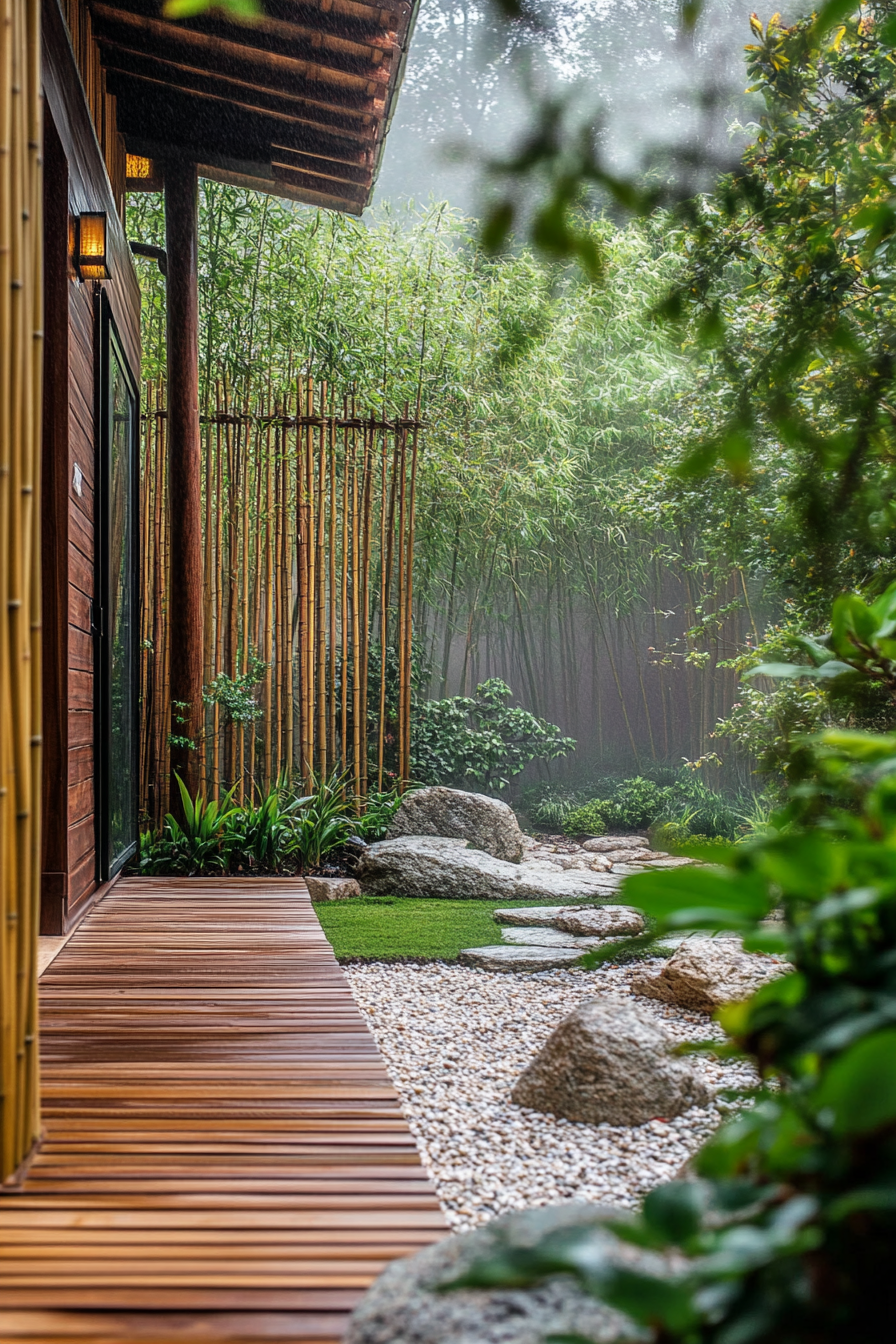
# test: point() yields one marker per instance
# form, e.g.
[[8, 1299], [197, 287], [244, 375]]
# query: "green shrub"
[[637, 803], [480, 739], [786, 1233]]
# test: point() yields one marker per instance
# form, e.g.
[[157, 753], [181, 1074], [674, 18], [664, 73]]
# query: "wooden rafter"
[[298, 101]]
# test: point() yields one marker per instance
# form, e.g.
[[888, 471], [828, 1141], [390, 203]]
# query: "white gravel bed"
[[455, 1040]]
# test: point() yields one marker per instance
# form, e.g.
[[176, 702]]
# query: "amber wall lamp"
[[91, 259]]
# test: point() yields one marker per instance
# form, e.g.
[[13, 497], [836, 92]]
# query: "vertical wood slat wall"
[[101, 102], [21, 320], [308, 538]]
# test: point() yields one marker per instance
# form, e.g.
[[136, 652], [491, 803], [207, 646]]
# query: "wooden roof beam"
[[366, 81], [338, 132]]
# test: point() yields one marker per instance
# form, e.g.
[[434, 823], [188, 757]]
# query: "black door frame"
[[109, 342]]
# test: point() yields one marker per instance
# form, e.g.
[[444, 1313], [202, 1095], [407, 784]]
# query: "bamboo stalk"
[[320, 620], [268, 654], [402, 607], [343, 594], [367, 539], [331, 576], [357, 744], [384, 620]]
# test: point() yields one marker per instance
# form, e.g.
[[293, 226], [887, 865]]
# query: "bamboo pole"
[[312, 624], [384, 620], [343, 593], [410, 591], [219, 593], [20, 426], [331, 577], [367, 540], [357, 744], [268, 654], [320, 620], [402, 607]]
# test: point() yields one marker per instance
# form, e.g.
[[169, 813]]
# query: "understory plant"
[[198, 845], [481, 739], [641, 803], [787, 1229], [281, 832]]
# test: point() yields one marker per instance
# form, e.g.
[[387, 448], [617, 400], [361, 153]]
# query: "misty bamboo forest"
[[447, 672]]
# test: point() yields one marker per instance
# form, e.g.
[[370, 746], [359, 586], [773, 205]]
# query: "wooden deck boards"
[[225, 1157]]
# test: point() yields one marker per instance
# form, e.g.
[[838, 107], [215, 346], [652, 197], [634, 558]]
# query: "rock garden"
[[529, 1079]]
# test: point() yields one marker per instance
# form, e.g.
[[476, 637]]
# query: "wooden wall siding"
[[102, 104], [225, 1157], [79, 181]]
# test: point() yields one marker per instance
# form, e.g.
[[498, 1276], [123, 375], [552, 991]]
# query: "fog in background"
[[623, 65]]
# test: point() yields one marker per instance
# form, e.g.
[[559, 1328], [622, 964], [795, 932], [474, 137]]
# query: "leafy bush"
[[787, 1229], [638, 803], [480, 739]]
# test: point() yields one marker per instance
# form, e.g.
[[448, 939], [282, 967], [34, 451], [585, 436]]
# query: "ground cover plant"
[[400, 928]]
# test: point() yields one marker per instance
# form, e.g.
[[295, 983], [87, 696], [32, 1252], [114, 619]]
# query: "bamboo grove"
[[308, 577], [21, 322], [555, 545]]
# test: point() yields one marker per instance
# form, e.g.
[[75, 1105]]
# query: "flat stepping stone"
[[540, 937], [604, 922], [533, 914], [508, 958]]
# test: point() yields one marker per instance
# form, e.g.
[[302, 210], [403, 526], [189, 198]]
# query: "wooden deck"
[[225, 1157]]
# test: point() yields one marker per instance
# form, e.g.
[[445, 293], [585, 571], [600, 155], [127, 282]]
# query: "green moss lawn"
[[379, 927]]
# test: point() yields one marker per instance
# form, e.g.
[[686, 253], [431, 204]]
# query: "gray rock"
[[627, 855], [704, 973], [402, 1306], [605, 921], [608, 1061], [332, 888], [603, 844], [546, 937], [531, 914], [486, 823], [503, 957], [422, 865]]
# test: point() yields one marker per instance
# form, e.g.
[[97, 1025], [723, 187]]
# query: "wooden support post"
[[184, 469]]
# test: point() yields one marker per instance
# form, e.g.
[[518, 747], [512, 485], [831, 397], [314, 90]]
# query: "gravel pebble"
[[455, 1040]]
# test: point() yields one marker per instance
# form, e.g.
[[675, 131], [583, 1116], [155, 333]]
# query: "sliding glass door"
[[118, 628]]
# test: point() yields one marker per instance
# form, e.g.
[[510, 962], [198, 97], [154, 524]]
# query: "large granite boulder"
[[426, 865], [404, 1307], [704, 973], [486, 823], [610, 1062]]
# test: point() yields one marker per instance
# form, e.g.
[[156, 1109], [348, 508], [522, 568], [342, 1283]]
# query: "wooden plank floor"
[[225, 1157]]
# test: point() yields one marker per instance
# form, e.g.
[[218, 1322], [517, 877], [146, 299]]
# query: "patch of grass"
[[381, 928]]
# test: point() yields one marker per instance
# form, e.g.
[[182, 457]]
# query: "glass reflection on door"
[[119, 711]]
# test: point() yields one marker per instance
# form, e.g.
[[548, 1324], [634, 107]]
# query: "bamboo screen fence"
[[308, 522], [21, 320]]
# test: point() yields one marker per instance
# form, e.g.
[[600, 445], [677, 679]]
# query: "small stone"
[[605, 921], [609, 1061], [505, 958], [332, 888]]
